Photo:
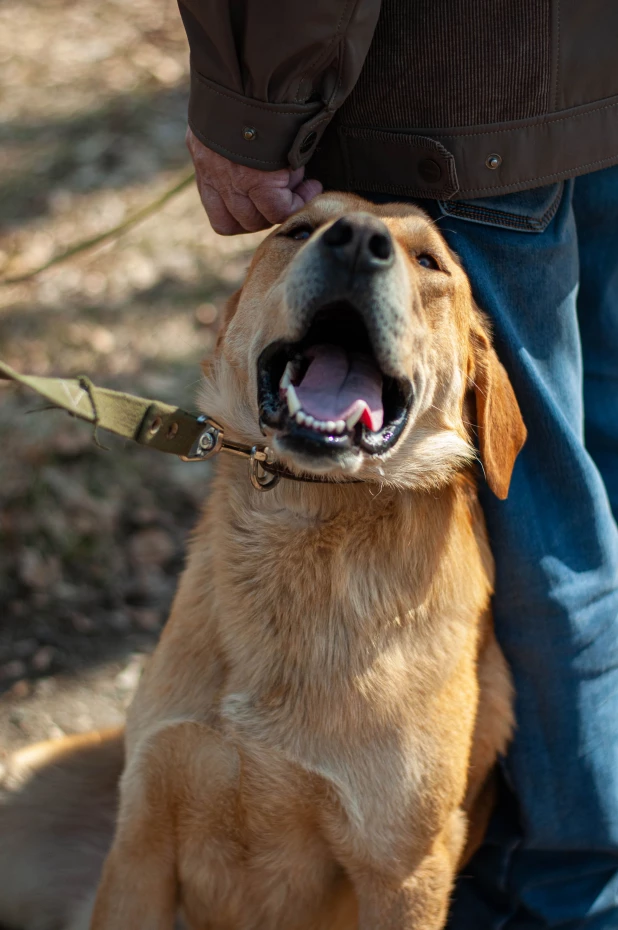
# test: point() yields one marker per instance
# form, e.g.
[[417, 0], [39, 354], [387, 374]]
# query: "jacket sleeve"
[[268, 75]]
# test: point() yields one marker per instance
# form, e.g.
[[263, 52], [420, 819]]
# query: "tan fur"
[[322, 716]]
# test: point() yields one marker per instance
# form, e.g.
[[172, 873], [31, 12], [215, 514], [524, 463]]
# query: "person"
[[500, 119]]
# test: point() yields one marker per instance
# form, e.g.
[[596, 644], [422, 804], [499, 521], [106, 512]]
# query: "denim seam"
[[495, 218], [504, 217], [504, 883]]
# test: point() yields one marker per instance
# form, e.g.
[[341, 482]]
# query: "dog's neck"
[[314, 507], [309, 595], [369, 556]]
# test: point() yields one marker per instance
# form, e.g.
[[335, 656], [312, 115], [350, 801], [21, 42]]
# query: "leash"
[[156, 425]]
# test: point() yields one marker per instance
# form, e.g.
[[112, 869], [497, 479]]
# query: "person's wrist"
[[249, 132]]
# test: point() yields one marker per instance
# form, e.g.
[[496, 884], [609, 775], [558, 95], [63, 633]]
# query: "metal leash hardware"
[[261, 479], [211, 441], [208, 443]]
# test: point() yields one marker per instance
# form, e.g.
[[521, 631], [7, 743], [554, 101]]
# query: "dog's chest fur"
[[325, 641]]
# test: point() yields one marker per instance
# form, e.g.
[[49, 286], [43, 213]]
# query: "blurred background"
[[92, 120]]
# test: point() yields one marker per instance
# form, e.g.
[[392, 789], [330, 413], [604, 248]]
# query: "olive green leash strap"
[[151, 423], [159, 426]]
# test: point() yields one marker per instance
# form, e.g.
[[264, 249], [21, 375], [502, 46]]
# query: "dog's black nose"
[[361, 241]]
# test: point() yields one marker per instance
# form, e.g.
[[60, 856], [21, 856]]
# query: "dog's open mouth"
[[327, 394]]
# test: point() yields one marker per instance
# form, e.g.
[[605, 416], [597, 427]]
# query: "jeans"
[[544, 266]]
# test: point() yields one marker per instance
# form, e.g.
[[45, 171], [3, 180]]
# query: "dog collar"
[[157, 425]]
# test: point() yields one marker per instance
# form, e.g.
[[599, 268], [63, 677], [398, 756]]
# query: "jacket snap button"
[[249, 134], [429, 170], [493, 161], [307, 142]]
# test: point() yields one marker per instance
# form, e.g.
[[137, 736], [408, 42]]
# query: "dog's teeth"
[[293, 401], [354, 417], [286, 379], [339, 426], [330, 426], [300, 417], [309, 420]]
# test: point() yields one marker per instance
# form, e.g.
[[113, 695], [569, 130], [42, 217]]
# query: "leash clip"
[[208, 443], [261, 479], [211, 441]]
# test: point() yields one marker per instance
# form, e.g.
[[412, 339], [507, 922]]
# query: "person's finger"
[[275, 203], [308, 189], [243, 210], [296, 176], [220, 217]]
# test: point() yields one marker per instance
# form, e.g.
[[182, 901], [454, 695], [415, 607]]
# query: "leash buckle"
[[261, 479], [208, 443]]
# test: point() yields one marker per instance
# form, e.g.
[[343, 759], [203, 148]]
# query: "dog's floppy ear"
[[501, 430]]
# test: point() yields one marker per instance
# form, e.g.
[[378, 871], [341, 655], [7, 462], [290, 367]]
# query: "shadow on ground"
[[129, 140], [92, 542]]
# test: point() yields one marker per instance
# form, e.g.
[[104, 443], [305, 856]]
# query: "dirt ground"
[[93, 101]]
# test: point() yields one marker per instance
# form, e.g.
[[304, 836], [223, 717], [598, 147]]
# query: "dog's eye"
[[299, 232], [427, 261]]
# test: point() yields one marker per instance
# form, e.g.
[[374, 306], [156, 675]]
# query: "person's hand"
[[239, 199]]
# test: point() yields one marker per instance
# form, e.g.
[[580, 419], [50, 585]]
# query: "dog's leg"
[[138, 888], [419, 901], [492, 733]]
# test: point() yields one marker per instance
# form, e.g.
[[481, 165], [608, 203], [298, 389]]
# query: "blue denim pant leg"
[[595, 204], [551, 855]]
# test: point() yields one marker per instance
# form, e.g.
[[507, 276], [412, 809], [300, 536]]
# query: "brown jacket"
[[424, 98]]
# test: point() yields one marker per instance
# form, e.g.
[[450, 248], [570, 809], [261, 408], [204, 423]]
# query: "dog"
[[312, 745]]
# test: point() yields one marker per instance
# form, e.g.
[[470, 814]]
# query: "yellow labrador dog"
[[311, 746]]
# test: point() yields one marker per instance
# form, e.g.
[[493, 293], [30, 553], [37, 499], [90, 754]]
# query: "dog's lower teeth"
[[305, 419]]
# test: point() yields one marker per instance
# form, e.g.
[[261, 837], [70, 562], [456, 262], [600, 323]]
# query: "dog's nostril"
[[380, 246], [340, 233]]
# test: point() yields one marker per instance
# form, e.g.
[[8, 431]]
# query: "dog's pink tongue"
[[336, 382]]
